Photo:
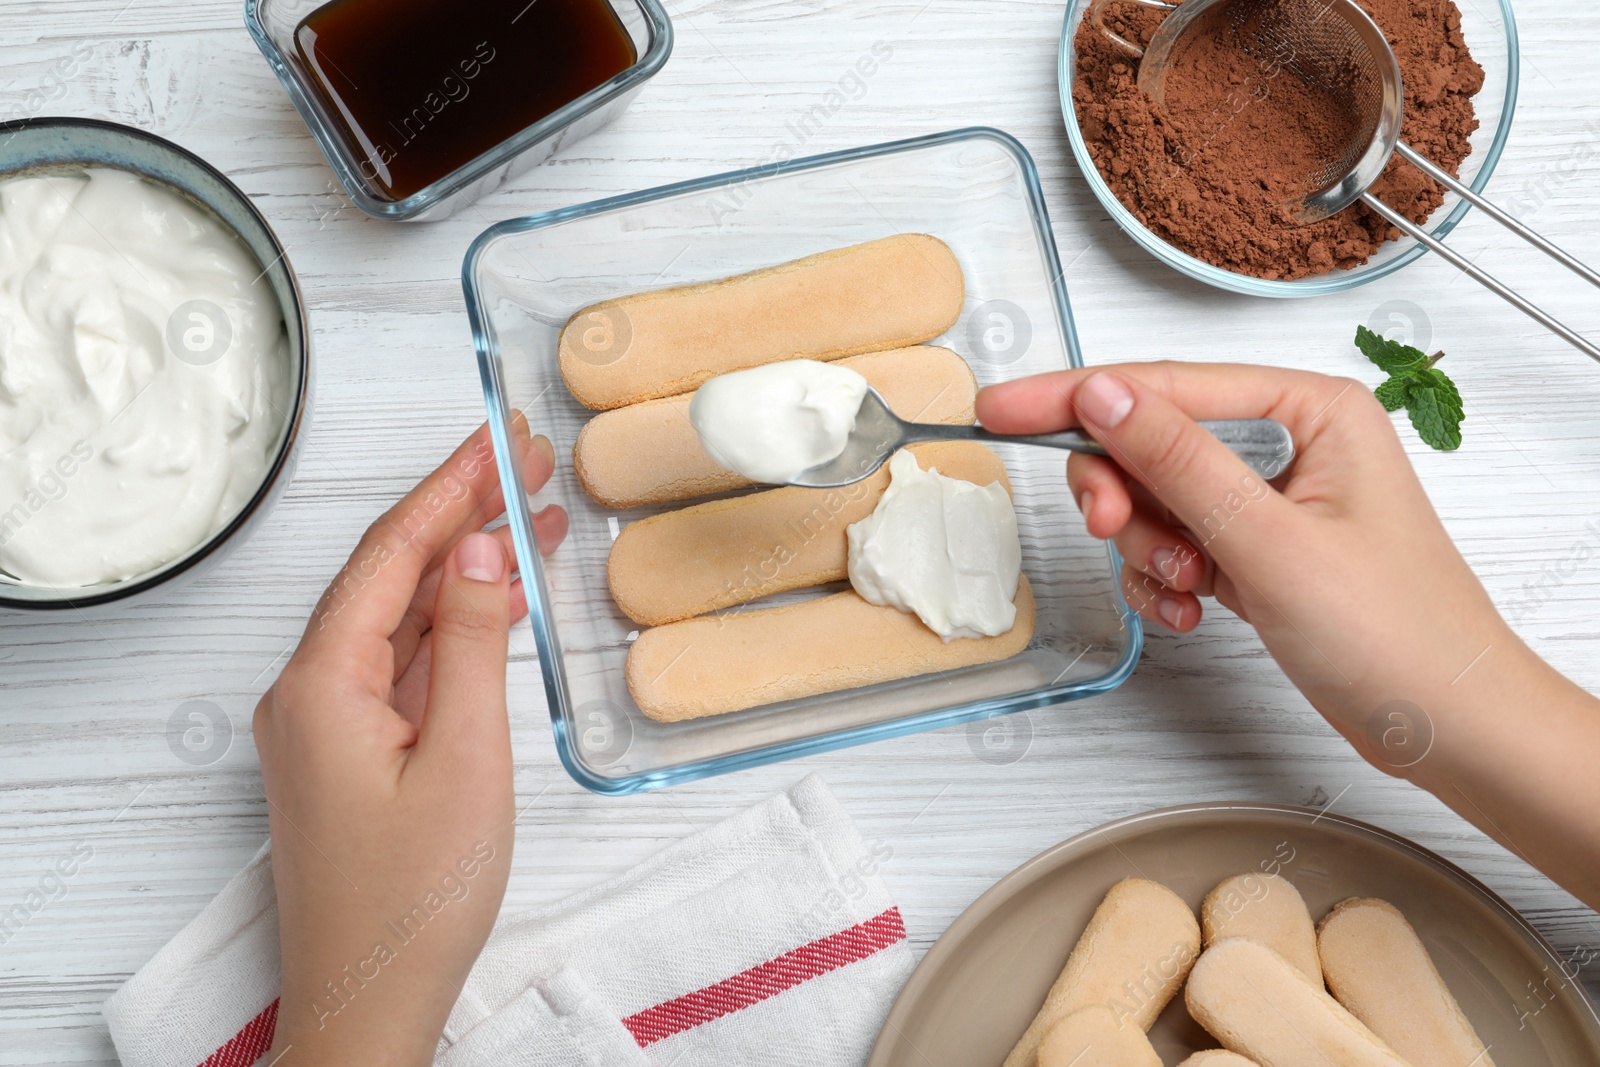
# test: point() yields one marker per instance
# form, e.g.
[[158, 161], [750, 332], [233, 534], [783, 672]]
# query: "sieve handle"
[[1407, 153], [1394, 218], [1097, 20]]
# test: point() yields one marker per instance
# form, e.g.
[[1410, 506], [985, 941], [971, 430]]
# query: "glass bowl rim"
[[296, 324], [441, 189], [551, 664], [1249, 285]]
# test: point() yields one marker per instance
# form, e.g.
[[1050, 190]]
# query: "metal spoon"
[[1264, 444]]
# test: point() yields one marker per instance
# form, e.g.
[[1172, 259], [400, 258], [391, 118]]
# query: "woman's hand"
[[1346, 573], [1344, 559], [386, 758]]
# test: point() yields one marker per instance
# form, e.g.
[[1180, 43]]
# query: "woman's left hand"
[[386, 757]]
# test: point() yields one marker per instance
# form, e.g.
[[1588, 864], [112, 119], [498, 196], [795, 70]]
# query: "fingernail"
[[1165, 562], [480, 557], [1104, 400], [1086, 502], [1171, 610], [545, 448], [519, 424]]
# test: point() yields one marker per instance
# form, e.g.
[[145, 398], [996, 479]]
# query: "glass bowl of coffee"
[[1088, 70], [423, 106]]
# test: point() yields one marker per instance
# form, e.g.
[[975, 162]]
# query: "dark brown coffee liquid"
[[421, 87]]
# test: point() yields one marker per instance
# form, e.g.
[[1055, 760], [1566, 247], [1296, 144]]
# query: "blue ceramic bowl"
[[46, 144]]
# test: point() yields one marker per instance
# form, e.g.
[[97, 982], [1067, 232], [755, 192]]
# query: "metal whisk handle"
[[1486, 279], [1422, 163]]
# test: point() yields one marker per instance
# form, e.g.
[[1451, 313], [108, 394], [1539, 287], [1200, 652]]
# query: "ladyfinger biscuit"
[[720, 663], [1095, 1037], [1377, 967], [649, 453], [1266, 909], [888, 293], [1256, 1003], [1132, 958], [724, 552], [1218, 1057]]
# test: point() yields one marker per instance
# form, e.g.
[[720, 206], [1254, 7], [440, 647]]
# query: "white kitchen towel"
[[212, 991], [768, 938]]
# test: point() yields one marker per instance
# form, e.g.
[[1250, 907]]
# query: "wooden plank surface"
[[85, 703]]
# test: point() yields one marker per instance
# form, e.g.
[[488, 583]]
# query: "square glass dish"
[[272, 23], [976, 189]]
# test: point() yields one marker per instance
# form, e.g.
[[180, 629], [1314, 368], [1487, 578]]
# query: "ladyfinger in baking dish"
[[708, 556], [649, 453], [713, 664], [888, 293]]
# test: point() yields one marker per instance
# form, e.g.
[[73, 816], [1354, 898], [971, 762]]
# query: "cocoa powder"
[[1211, 170]]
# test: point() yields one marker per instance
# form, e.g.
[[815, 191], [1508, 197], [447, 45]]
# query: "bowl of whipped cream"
[[155, 374]]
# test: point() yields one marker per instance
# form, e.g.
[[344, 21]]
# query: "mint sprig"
[[1428, 395]]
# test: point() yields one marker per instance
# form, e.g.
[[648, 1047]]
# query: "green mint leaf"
[[1414, 383], [1431, 411], [1392, 356], [1392, 393], [1449, 395]]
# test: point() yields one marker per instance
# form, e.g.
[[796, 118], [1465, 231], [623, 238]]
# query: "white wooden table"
[[84, 707]]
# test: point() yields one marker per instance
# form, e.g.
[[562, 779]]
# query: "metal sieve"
[[1333, 45]]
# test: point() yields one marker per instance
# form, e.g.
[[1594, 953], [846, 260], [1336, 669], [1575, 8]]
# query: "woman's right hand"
[[1345, 571]]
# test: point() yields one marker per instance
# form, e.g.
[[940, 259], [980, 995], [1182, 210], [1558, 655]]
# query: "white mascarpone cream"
[[116, 455], [942, 548], [772, 422]]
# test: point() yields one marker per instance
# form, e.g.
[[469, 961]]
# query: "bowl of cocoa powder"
[[1197, 180]]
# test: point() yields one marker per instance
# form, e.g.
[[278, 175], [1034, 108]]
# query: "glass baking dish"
[[272, 24], [978, 190]]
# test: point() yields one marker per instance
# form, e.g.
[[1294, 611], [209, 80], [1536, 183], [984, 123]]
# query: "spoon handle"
[[1264, 444]]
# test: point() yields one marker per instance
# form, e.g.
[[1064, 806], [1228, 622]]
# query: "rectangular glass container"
[[976, 189], [272, 24]]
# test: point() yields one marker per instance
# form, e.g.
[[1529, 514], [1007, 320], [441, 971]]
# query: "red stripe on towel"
[[249, 1044], [767, 980]]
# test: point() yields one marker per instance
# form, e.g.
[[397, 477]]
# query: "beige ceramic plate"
[[977, 989]]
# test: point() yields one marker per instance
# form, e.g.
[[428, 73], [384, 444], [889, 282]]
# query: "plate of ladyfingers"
[[694, 623], [1240, 935]]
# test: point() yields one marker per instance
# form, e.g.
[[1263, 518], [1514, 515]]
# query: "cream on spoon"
[[772, 422]]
